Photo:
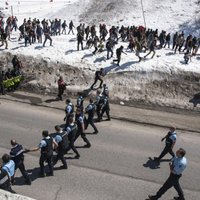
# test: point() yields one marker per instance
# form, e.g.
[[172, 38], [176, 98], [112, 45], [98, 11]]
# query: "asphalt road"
[[117, 166]]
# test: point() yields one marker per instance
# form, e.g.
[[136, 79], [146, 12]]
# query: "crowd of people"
[[139, 39]]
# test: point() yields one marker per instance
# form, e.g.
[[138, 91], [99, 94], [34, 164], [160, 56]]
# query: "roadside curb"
[[112, 117], [152, 124]]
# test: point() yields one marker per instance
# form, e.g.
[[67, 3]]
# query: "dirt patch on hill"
[[135, 88]]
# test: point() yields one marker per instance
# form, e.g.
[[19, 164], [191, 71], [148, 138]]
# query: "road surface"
[[117, 166]]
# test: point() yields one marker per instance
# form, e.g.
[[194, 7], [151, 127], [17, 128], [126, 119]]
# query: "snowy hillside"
[[166, 15], [169, 15]]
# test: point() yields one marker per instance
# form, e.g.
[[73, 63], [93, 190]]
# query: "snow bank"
[[9, 196]]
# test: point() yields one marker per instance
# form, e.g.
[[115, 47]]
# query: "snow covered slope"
[[169, 15]]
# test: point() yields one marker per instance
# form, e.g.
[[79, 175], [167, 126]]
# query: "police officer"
[[105, 90], [16, 154], [99, 102], [79, 102], [8, 166], [79, 118], [105, 107], [69, 110], [46, 145], [61, 139], [5, 182], [170, 140], [177, 167], [71, 130], [90, 109]]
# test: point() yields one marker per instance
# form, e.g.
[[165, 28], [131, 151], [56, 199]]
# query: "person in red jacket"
[[61, 87]]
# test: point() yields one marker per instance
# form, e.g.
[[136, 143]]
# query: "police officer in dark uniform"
[[105, 107], [177, 166], [17, 155], [46, 145], [170, 140], [79, 102], [90, 109], [61, 139], [105, 90], [99, 102], [71, 130], [79, 119], [69, 110]]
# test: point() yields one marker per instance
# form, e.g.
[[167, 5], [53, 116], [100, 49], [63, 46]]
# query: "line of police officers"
[[61, 141]]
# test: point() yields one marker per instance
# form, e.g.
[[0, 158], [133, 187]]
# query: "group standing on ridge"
[[138, 38]]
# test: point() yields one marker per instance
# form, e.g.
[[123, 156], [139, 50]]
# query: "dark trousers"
[[95, 81], [95, 50], [173, 180], [91, 122], [27, 39], [83, 136], [23, 171], [60, 92], [2, 89], [60, 156], [7, 187], [117, 60], [48, 159], [107, 110], [71, 30], [71, 146], [98, 110], [80, 43], [166, 150], [47, 37]]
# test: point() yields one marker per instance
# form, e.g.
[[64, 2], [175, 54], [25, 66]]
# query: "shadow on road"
[[152, 164], [33, 100], [51, 100], [33, 174]]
